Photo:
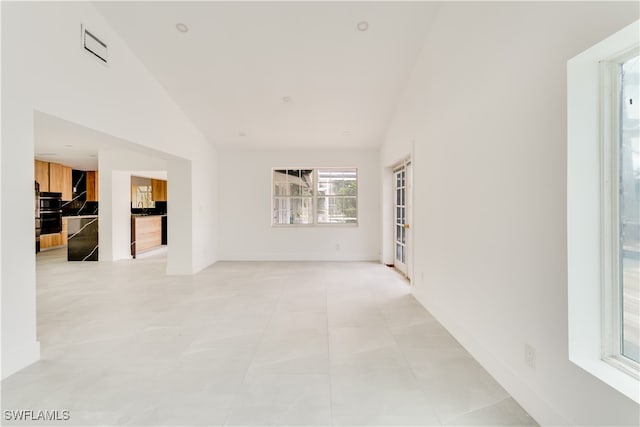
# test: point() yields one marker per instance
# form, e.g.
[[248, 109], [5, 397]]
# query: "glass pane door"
[[401, 226]]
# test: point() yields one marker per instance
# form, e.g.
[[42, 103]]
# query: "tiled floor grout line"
[[232, 407], [415, 376], [478, 408], [326, 298]]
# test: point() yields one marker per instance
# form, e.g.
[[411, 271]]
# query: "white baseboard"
[[14, 359], [299, 256], [534, 404]]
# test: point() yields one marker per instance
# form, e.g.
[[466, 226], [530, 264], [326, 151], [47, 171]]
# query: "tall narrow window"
[[621, 212], [603, 210], [629, 208]]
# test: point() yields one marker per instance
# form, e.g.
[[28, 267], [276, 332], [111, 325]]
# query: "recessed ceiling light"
[[286, 99], [362, 26], [182, 27]]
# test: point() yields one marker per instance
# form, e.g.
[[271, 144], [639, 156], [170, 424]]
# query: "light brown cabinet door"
[[41, 172], [56, 177], [46, 241], [52, 240], [65, 231], [67, 183], [159, 190], [92, 186], [60, 180], [146, 232]]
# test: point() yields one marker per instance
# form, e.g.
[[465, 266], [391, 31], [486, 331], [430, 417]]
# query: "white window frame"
[[610, 190], [315, 197], [592, 214]]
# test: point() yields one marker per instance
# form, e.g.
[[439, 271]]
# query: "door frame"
[[407, 165]]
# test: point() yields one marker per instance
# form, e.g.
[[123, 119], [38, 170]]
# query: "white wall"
[[44, 69], [203, 197], [486, 106], [245, 209]]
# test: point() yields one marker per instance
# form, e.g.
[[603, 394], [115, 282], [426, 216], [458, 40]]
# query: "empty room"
[[310, 213]]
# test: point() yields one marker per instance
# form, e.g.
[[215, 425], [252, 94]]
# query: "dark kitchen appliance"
[[50, 213], [161, 208], [50, 201], [164, 230], [37, 213]]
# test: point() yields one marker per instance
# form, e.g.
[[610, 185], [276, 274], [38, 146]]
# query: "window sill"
[[614, 377]]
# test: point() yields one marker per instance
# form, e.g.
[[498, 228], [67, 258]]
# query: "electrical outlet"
[[530, 356]]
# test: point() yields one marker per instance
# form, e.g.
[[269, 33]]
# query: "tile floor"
[[254, 343]]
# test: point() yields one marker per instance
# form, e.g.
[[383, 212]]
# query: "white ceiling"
[[230, 71], [59, 141]]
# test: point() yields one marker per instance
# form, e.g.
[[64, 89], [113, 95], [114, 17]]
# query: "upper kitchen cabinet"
[[54, 177], [92, 186], [159, 190], [60, 180], [42, 174]]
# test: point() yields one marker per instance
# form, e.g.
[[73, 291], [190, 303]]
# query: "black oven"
[[50, 213], [37, 213], [50, 222], [50, 201]]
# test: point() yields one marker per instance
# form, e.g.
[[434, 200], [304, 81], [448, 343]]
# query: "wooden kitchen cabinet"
[[56, 177], [146, 233], [158, 190], [60, 180], [65, 231], [67, 185], [49, 241], [41, 172], [92, 186]]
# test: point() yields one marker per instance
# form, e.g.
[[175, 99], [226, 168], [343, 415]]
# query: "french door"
[[402, 214]]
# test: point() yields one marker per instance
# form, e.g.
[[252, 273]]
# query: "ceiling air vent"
[[93, 45]]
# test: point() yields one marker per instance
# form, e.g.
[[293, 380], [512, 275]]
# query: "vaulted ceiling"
[[279, 75]]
